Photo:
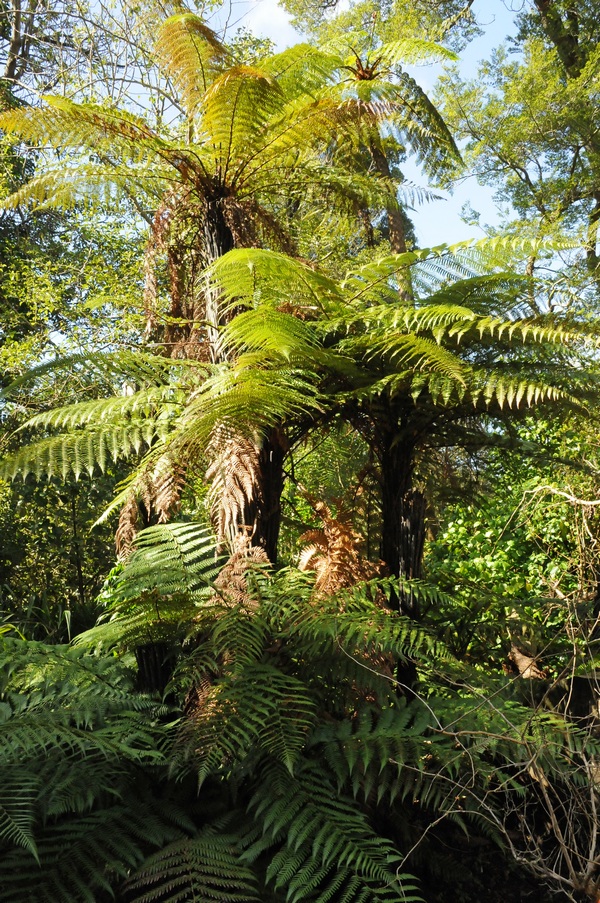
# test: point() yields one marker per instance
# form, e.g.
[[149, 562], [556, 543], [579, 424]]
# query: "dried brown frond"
[[169, 481], [197, 700], [334, 552], [193, 347], [127, 528], [235, 485], [232, 582], [295, 310], [154, 498], [525, 664]]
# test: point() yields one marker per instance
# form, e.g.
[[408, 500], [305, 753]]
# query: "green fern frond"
[[327, 844], [75, 739], [245, 400], [514, 391], [166, 400], [369, 753], [246, 276], [18, 796], [236, 108], [413, 50], [190, 53], [352, 621], [157, 594], [112, 370], [415, 117], [87, 184], [83, 857], [206, 868], [85, 450], [271, 332], [63, 124], [257, 710], [170, 558], [409, 352], [302, 69]]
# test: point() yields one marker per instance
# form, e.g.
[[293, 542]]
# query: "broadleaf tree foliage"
[[348, 645]]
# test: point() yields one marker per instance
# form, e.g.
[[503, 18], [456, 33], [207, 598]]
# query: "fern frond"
[[302, 69], [413, 50], [190, 53], [247, 275], [369, 753], [258, 709], [157, 595], [175, 558], [410, 352], [84, 451], [413, 114], [71, 184], [83, 857], [112, 370], [63, 124], [168, 400], [273, 332], [236, 108], [352, 621], [514, 391], [327, 844], [245, 401], [171, 557], [206, 868], [76, 740], [18, 796]]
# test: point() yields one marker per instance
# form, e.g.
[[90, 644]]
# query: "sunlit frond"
[[190, 53]]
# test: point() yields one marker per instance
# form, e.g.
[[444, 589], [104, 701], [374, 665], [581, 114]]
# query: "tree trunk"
[[218, 240], [564, 34], [261, 516], [403, 532], [395, 220], [592, 237], [253, 512], [403, 517], [268, 508]]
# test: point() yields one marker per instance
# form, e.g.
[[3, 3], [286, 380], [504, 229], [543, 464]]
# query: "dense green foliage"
[[346, 650]]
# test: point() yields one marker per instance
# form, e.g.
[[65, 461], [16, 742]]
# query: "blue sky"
[[436, 222]]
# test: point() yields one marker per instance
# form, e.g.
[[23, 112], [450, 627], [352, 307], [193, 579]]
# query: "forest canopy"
[[299, 580]]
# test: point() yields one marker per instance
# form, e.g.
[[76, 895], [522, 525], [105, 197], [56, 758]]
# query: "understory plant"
[[284, 762]]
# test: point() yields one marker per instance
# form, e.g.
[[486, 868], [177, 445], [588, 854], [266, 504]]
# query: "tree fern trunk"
[[403, 531], [258, 514], [395, 221], [217, 240], [268, 513], [403, 516]]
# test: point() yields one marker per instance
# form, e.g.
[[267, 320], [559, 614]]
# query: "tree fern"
[[293, 728], [155, 597]]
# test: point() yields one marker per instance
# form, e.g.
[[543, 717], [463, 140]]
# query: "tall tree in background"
[[70, 281], [531, 132]]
